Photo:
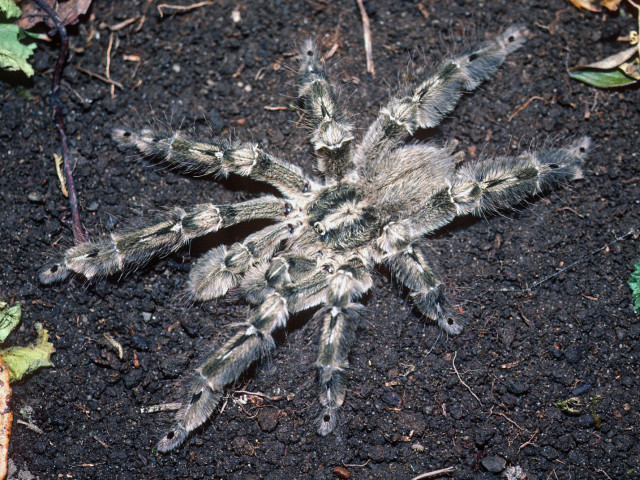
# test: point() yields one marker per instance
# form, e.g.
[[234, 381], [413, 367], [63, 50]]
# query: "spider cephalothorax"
[[373, 204]]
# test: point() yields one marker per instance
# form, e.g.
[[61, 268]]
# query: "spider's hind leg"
[[338, 324], [331, 132], [225, 366]]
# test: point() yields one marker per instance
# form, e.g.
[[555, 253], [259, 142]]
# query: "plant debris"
[[21, 361], [68, 11], [618, 70], [15, 43]]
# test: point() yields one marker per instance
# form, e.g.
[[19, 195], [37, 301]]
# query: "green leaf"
[[601, 78], [10, 9], [22, 361], [634, 283], [14, 53], [9, 319]]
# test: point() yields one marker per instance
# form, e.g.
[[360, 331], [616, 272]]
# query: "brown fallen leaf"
[[610, 4], [591, 5], [68, 11], [6, 418]]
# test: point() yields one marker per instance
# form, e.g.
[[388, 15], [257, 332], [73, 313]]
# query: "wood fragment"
[[108, 67], [423, 10], [6, 418], [63, 183], [366, 26], [30, 426]]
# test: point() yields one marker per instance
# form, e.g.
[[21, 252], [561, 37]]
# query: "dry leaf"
[[591, 5], [610, 4], [610, 62], [6, 418], [68, 12]]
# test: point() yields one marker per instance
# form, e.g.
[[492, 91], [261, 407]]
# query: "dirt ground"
[[407, 411]]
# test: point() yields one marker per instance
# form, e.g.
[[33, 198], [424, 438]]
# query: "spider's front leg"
[[218, 157], [426, 105], [492, 184], [164, 234], [331, 133]]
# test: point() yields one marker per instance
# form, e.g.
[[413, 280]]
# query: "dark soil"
[[406, 412]]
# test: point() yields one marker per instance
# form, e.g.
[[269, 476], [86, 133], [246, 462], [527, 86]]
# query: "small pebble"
[[494, 463], [581, 389], [35, 197], [341, 472], [392, 399]]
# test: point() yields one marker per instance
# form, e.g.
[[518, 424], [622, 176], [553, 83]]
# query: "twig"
[[434, 473], [511, 421], [79, 233], [462, 381], [107, 70], [349, 465], [121, 25], [99, 77], [366, 26], [526, 104], [528, 442], [183, 8], [259, 394]]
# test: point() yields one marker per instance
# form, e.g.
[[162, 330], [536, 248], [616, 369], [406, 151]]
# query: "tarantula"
[[373, 204]]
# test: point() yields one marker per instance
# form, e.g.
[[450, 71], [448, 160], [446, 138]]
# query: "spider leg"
[[411, 268], [221, 157], [222, 268], [426, 105], [164, 234], [492, 184], [225, 366], [331, 133], [503, 182], [338, 324], [280, 296]]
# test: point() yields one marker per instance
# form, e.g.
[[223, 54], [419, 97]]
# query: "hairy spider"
[[374, 203]]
